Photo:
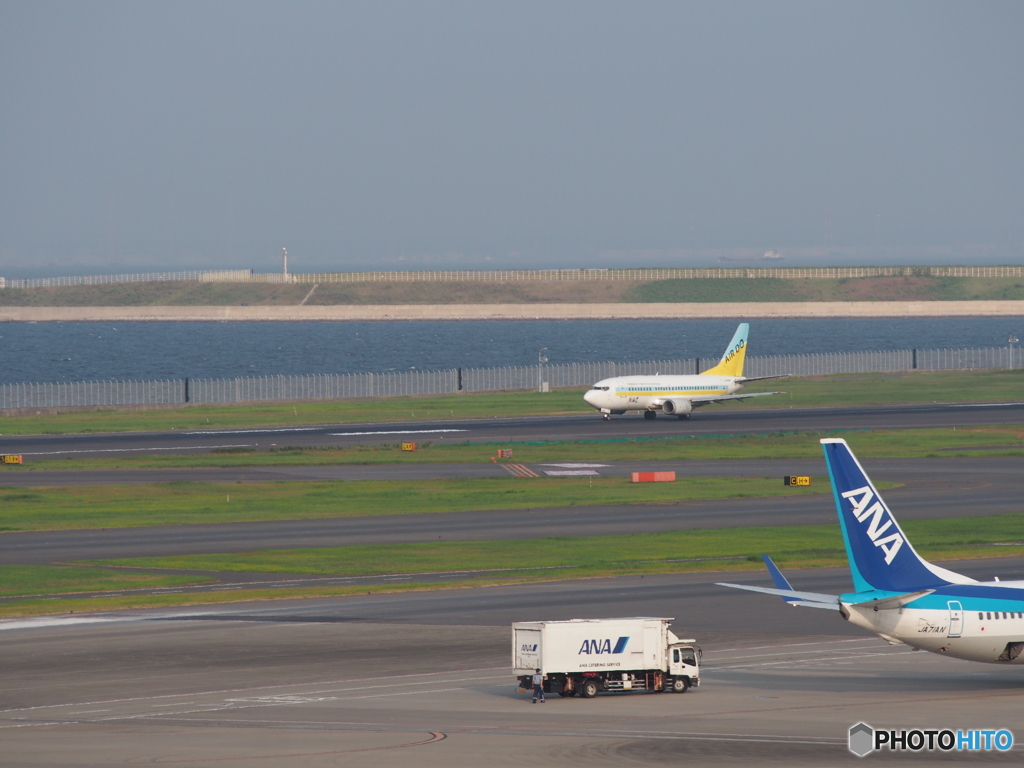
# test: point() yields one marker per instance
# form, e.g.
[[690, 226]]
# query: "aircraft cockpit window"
[[602, 389]]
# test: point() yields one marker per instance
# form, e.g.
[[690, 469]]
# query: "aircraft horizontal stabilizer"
[[705, 399], [806, 599], [745, 379], [888, 603]]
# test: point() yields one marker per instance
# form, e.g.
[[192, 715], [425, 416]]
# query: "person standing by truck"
[[538, 686]]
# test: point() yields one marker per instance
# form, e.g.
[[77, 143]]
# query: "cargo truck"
[[587, 656]]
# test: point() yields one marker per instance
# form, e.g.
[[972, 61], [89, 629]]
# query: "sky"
[[157, 136]]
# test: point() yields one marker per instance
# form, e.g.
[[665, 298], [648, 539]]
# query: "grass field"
[[572, 557], [113, 506], [191, 293], [917, 288], [818, 391], [17, 580]]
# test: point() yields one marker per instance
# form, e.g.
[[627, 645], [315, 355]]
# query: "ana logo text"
[[876, 512], [603, 646], [527, 648]]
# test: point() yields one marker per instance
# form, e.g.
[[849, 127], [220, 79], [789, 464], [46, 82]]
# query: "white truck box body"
[[591, 645]]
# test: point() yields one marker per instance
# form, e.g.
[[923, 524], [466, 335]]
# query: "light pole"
[[1011, 341], [541, 359]]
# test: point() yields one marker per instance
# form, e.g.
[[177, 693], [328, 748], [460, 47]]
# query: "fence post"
[[914, 365], [460, 381], [188, 395]]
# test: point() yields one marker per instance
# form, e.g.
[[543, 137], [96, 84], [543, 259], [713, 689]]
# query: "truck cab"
[[683, 666]]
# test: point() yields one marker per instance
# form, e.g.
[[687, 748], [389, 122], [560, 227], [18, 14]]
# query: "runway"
[[423, 679], [712, 420]]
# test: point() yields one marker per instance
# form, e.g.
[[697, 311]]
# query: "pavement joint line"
[[376, 687], [253, 688], [805, 661], [793, 645], [823, 650]]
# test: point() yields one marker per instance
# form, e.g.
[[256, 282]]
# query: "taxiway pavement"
[[423, 679]]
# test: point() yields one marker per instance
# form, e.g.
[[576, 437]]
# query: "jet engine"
[[677, 407]]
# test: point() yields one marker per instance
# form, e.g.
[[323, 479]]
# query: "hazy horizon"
[[409, 135]]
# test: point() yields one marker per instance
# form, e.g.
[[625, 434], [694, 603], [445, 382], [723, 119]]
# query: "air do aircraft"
[[678, 395], [899, 595]]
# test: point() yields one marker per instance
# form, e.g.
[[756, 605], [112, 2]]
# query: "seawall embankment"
[[618, 311]]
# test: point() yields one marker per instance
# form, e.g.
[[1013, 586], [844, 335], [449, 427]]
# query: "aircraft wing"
[[794, 597], [707, 399]]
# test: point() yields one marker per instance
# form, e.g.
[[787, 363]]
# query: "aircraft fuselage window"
[[988, 615], [981, 615]]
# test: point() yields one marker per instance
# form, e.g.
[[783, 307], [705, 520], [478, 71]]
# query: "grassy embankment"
[[188, 293], [917, 288], [817, 391]]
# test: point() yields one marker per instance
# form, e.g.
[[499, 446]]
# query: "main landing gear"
[[650, 415]]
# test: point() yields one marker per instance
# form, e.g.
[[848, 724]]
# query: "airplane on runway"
[[678, 395], [899, 595]]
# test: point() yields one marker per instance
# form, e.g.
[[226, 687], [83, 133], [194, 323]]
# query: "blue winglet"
[[780, 581]]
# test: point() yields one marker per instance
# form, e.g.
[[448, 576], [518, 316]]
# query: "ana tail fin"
[[880, 554], [731, 363]]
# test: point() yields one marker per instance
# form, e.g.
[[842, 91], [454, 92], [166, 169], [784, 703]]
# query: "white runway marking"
[[397, 432], [576, 465], [268, 430], [130, 450], [569, 472]]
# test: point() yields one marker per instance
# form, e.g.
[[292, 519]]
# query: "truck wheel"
[[588, 690], [680, 685]]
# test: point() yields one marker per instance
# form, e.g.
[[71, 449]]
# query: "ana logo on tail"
[[874, 515]]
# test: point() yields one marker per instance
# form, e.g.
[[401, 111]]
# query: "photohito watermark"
[[865, 739]]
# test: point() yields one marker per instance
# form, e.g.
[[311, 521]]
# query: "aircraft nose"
[[590, 396]]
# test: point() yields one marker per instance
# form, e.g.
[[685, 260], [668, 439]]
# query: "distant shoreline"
[[609, 311]]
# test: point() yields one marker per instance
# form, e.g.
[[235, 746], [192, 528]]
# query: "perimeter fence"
[[395, 383], [521, 275]]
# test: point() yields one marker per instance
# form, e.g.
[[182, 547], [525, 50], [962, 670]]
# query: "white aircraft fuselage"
[[649, 393]]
